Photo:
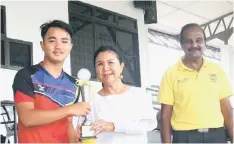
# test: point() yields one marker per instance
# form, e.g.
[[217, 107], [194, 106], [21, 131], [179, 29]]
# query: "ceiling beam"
[[223, 35]]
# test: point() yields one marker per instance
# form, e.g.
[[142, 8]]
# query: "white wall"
[[160, 58]]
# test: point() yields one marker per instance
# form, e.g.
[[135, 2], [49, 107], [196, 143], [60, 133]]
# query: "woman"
[[121, 113]]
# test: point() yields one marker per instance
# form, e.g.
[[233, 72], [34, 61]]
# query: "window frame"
[[4, 39], [7, 42], [4, 36], [96, 19], [29, 44], [116, 26], [4, 20], [134, 20], [8, 56]]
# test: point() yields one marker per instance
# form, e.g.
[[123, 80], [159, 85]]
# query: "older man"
[[194, 94]]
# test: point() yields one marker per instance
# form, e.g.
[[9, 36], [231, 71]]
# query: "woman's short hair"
[[107, 48]]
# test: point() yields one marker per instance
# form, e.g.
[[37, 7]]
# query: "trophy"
[[86, 95]]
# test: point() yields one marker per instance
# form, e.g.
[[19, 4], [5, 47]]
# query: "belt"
[[202, 130], [206, 130]]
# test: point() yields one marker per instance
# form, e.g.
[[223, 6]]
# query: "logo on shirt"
[[213, 78], [41, 88], [182, 80]]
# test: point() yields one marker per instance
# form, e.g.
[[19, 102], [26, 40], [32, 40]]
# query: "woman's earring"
[[121, 76], [98, 79]]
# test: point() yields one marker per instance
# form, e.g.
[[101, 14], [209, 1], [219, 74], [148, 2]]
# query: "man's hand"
[[165, 131], [79, 109], [28, 115], [227, 112], [102, 126]]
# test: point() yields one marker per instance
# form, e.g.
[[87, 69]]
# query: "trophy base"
[[88, 141], [86, 133], [86, 138]]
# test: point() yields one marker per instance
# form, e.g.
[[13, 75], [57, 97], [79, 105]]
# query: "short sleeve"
[[165, 95], [23, 87], [225, 86]]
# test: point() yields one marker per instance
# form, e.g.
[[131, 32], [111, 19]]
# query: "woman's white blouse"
[[131, 112]]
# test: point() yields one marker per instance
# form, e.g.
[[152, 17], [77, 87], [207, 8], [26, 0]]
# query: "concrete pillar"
[[227, 62]]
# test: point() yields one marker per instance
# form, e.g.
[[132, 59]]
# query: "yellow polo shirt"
[[195, 96]]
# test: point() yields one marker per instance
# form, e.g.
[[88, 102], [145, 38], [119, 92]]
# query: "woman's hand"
[[102, 126]]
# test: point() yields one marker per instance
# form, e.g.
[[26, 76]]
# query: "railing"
[[10, 124], [153, 91]]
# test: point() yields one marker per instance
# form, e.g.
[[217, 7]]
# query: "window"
[[2, 52], [20, 53], [83, 42], [15, 54], [98, 27], [3, 20], [106, 16], [81, 9], [3, 35], [127, 43], [127, 23], [104, 35]]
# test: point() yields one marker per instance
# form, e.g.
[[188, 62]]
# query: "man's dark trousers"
[[214, 135]]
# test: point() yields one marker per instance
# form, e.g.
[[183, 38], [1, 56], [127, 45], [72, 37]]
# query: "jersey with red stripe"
[[35, 84]]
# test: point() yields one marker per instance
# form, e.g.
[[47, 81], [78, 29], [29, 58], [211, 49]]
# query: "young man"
[[194, 95], [45, 95]]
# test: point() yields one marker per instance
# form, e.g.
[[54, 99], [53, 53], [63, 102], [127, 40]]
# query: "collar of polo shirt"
[[181, 66]]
